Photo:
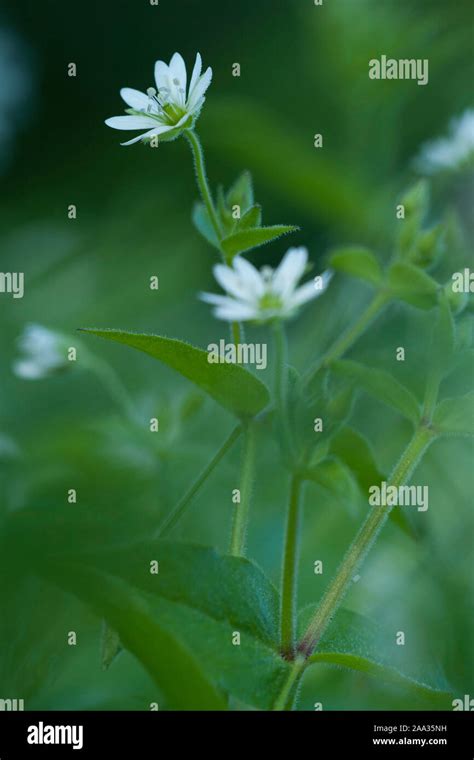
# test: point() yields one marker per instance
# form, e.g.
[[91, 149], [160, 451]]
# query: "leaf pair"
[[240, 220]]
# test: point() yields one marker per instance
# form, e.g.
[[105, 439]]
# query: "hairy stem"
[[362, 543], [290, 570], [202, 182], [281, 388], [241, 509], [349, 336], [180, 508], [284, 701]]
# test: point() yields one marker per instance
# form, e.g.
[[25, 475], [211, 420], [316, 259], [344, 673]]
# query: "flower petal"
[[151, 132], [289, 271], [197, 92], [162, 75], [251, 279], [130, 122], [196, 72], [237, 312], [232, 282], [135, 99], [177, 70], [309, 290]]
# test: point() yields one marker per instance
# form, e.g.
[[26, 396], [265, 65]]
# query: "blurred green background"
[[303, 71]]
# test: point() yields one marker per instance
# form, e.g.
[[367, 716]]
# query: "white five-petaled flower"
[[44, 353], [264, 295], [168, 109], [452, 152]]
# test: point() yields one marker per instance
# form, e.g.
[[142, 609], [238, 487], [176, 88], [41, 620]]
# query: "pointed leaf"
[[230, 385], [198, 599], [353, 641], [251, 218], [358, 262], [382, 386], [455, 416], [141, 631], [203, 224], [410, 284], [245, 240], [241, 193]]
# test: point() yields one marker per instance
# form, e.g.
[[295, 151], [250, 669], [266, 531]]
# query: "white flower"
[[45, 353], [266, 295], [452, 152], [167, 109]]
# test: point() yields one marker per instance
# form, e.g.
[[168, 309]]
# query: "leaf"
[[455, 416], [357, 262], [203, 224], [333, 476], [352, 448], [241, 193], [110, 646], [251, 218], [198, 598], [382, 386], [245, 240], [353, 641], [412, 285], [231, 385], [173, 666]]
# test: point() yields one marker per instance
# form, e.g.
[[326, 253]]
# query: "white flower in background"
[[452, 152], [168, 108], [267, 294], [44, 353]]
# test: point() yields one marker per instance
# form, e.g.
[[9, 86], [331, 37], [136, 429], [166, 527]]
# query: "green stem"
[[236, 333], [349, 336], [290, 570], [281, 388], [201, 177], [285, 697], [170, 521], [431, 396], [114, 387], [241, 509], [362, 543]]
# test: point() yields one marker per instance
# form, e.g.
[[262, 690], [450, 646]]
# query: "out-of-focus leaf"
[[230, 385], [353, 641], [251, 218], [203, 224], [241, 193], [382, 386], [357, 262], [455, 416], [410, 284], [110, 646], [174, 666], [245, 240], [197, 597]]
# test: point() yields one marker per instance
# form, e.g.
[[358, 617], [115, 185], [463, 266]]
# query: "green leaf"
[[245, 240], [251, 218], [241, 193], [354, 449], [455, 416], [412, 285], [174, 667], [225, 214], [352, 641], [203, 224], [198, 599], [231, 385], [332, 475], [110, 646], [382, 386], [357, 262]]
